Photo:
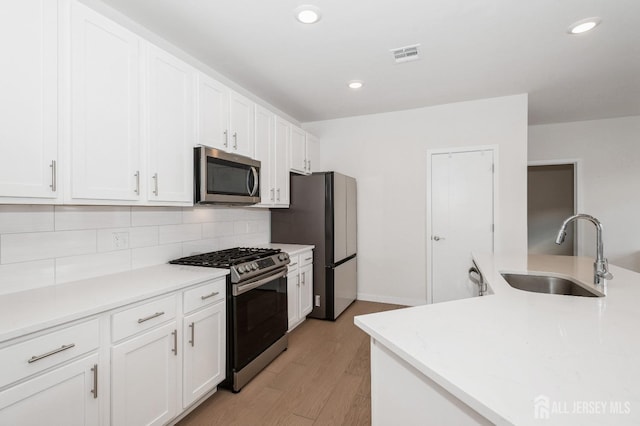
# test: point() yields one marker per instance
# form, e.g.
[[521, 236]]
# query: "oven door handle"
[[239, 289]]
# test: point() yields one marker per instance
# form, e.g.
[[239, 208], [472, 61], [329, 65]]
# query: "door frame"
[[577, 194], [428, 241]]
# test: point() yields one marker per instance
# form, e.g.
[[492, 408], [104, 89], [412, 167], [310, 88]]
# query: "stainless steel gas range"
[[256, 307]]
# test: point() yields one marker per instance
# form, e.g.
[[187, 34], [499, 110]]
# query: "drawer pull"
[[292, 264], [215, 293], [308, 258], [53, 352], [94, 391], [157, 314], [193, 334]]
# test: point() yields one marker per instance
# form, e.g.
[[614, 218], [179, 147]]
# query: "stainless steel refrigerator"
[[323, 213]]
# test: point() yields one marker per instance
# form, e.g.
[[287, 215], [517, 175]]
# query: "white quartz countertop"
[[290, 249], [578, 356], [32, 310]]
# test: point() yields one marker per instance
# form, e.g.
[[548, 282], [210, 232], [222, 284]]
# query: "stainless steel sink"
[[547, 284]]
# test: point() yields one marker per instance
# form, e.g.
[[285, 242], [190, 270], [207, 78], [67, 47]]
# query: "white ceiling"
[[470, 49]]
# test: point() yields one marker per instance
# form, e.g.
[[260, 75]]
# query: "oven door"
[[226, 178], [259, 316]]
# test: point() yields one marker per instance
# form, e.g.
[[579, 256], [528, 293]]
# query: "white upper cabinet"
[[298, 150], [105, 109], [313, 154], [225, 118], [171, 127], [28, 105], [241, 124], [213, 113], [265, 153], [282, 140]]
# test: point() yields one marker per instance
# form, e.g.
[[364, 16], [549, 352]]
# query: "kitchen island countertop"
[[501, 353]]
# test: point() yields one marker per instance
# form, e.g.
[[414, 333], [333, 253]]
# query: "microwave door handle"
[[255, 181]]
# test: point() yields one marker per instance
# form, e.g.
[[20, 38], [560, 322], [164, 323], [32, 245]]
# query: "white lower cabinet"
[[204, 352], [141, 364], [300, 288], [144, 378], [66, 395]]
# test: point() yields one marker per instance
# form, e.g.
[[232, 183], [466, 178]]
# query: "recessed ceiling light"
[[307, 14], [356, 84], [584, 25]]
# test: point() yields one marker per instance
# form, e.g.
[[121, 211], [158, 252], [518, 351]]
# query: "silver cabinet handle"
[[155, 185], [54, 176], [293, 264], [226, 138], [298, 280], [309, 164], [137, 176], [53, 352], [192, 326], [235, 140], [156, 315], [305, 164], [308, 258], [272, 191], [215, 293], [436, 238], [278, 192], [304, 278], [175, 342], [94, 391]]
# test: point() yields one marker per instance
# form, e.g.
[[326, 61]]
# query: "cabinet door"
[[293, 290], [264, 146], [105, 108], [298, 153], [313, 154], [213, 113], [171, 135], [241, 123], [144, 378], [28, 105], [281, 161], [67, 396], [306, 290], [204, 343]]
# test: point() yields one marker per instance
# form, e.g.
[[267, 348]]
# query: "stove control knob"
[[241, 269], [254, 266], [282, 256]]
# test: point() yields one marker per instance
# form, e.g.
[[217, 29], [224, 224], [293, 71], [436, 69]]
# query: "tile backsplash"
[[45, 245]]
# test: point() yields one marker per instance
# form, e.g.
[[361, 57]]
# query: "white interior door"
[[461, 219]]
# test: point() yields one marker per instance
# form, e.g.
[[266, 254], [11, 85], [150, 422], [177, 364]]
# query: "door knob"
[[436, 238]]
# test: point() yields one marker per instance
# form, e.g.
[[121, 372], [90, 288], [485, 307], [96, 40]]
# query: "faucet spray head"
[[561, 234]]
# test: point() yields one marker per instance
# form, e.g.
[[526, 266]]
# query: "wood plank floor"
[[322, 379]]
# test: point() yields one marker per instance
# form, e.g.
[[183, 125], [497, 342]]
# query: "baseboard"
[[390, 299]]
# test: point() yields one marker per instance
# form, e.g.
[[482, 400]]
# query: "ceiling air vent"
[[405, 54]]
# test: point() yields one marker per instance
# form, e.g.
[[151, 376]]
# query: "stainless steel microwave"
[[225, 178]]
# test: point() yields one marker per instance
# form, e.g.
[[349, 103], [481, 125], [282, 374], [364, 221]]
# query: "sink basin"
[[547, 284]]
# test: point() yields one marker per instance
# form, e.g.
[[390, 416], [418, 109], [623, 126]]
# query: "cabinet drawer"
[[35, 355], [294, 263], [142, 317], [204, 295], [306, 258]]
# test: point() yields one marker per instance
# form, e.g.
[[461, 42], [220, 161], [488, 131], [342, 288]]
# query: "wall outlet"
[[317, 300], [120, 240]]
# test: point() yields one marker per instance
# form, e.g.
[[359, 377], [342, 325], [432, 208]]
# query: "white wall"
[[609, 184], [387, 154], [46, 245]]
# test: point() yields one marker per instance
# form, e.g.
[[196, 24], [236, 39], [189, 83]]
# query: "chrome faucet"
[[601, 265]]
